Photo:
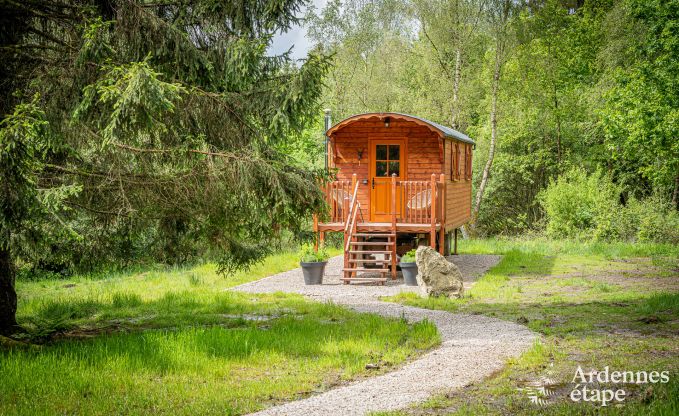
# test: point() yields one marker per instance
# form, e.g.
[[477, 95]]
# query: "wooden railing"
[[412, 202], [416, 202], [352, 215], [338, 198]]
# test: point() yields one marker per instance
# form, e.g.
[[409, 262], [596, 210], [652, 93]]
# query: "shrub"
[[657, 221], [409, 257], [308, 255], [587, 206], [577, 204]]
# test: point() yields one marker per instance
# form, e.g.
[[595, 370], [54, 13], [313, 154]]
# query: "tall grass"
[[178, 342], [210, 370], [550, 247]]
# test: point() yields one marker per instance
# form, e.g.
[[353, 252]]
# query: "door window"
[[387, 160]]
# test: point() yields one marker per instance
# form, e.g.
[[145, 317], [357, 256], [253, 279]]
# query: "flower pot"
[[409, 273], [313, 272]]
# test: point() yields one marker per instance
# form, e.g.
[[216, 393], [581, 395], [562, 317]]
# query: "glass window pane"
[[394, 151], [381, 152], [394, 168], [381, 168]]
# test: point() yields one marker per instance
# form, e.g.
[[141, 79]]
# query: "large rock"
[[437, 276]]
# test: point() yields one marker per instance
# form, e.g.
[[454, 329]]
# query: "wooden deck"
[[401, 227], [414, 207]]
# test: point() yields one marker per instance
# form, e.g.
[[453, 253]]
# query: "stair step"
[[364, 279], [363, 269], [369, 261], [369, 251], [373, 235], [371, 243]]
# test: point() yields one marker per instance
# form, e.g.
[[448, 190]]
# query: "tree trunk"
[[8, 296], [456, 88], [493, 138], [558, 129], [675, 194]]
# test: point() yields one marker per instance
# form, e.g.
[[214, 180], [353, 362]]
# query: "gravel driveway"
[[473, 346]]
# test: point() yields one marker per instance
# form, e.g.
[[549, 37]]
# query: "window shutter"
[[457, 161], [468, 162], [452, 161]]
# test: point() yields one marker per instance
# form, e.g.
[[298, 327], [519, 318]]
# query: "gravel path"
[[473, 346]]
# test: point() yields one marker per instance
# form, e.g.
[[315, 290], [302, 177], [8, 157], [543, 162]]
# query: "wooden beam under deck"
[[380, 226]]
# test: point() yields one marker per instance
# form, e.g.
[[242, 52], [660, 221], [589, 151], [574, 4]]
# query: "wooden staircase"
[[360, 249], [375, 249]]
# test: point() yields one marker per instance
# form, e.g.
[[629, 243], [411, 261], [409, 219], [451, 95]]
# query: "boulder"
[[436, 275]]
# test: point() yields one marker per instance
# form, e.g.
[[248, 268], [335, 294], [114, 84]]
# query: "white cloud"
[[295, 38]]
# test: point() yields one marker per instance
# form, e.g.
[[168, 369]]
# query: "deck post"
[[432, 233], [393, 225], [455, 242], [345, 215], [442, 220], [353, 186], [316, 237]]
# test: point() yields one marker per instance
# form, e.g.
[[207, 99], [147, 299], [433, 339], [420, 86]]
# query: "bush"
[[409, 257], [587, 206], [308, 255], [657, 221], [577, 204]]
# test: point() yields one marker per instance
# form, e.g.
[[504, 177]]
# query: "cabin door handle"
[[373, 183]]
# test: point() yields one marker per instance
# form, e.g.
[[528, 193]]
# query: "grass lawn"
[[175, 342], [595, 305]]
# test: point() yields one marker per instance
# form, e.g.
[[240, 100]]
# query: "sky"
[[295, 38]]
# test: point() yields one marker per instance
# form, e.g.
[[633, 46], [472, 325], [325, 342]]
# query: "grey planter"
[[409, 273], [313, 272]]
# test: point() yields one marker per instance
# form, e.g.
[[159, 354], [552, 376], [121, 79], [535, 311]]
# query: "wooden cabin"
[[400, 181]]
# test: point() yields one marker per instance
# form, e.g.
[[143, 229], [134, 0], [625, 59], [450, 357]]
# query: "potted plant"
[[313, 264], [409, 268]]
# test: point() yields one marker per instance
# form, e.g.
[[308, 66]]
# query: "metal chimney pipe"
[[325, 134]]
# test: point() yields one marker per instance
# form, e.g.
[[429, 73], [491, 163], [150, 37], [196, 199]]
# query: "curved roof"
[[440, 129]]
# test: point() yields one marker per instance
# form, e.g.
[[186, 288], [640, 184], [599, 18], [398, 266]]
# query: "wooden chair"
[[338, 196], [421, 201]]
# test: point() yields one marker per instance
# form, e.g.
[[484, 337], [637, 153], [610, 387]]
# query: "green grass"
[[176, 342], [544, 246], [183, 296], [593, 304]]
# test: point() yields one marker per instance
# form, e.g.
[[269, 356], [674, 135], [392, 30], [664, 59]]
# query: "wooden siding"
[[424, 152], [423, 155], [458, 192], [458, 203]]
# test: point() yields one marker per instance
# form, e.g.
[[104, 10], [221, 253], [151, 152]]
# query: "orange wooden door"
[[387, 158]]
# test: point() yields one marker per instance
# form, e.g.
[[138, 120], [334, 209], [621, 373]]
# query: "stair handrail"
[[352, 204], [350, 226], [350, 233]]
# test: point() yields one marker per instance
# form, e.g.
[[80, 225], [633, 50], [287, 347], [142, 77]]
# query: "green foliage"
[[23, 148], [169, 129], [307, 254], [626, 320], [640, 122], [655, 220], [133, 100], [578, 203], [409, 257], [158, 330], [594, 88], [582, 205]]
